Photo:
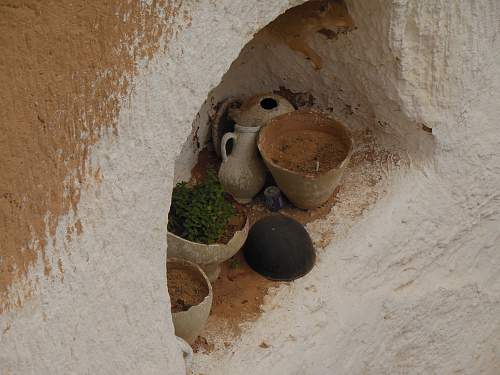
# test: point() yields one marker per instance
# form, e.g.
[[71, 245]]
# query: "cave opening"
[[325, 56]]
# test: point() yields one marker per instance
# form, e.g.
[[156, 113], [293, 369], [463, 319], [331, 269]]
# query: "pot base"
[[211, 270], [243, 200]]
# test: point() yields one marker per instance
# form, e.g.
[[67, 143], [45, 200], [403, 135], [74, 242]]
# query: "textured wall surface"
[[96, 300], [63, 72], [413, 286]]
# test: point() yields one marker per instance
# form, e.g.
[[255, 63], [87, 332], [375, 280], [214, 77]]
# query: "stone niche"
[[394, 73], [326, 56], [335, 58]]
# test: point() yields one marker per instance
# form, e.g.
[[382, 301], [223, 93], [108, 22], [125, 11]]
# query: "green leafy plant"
[[199, 213]]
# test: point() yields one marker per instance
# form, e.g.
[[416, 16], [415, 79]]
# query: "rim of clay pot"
[[215, 249], [247, 129], [203, 274], [338, 124]]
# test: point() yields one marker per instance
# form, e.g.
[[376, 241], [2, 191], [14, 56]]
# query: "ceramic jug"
[[242, 172]]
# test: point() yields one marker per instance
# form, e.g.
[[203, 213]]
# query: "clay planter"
[[287, 144], [208, 257], [189, 323], [258, 110]]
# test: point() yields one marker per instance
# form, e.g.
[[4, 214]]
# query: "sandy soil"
[[186, 287], [307, 151]]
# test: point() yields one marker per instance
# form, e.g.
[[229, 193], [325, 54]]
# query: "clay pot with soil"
[[190, 296], [307, 154], [209, 257], [204, 228]]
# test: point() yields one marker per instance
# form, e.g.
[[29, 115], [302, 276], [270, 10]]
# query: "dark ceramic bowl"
[[279, 248]]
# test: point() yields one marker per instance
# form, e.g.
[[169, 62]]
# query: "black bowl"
[[279, 248]]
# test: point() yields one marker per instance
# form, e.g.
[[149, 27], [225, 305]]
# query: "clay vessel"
[[242, 173], [259, 109], [304, 190], [189, 324], [208, 257], [279, 248]]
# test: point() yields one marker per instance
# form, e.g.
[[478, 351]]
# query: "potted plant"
[[190, 297], [203, 227]]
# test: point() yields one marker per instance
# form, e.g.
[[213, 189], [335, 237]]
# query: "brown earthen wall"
[[63, 68]]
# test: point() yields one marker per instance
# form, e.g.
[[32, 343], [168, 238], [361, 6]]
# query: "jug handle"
[[225, 138]]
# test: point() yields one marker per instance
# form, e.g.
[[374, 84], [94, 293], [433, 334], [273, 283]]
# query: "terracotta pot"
[[189, 324], [304, 190], [208, 257], [259, 109], [242, 172]]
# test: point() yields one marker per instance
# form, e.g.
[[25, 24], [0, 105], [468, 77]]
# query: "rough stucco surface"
[[411, 287], [110, 312], [63, 70]]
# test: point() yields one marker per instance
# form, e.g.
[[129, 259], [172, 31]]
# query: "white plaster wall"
[[436, 229], [361, 82], [110, 314], [414, 286]]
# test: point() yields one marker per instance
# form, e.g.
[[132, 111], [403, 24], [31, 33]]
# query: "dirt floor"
[[239, 292]]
